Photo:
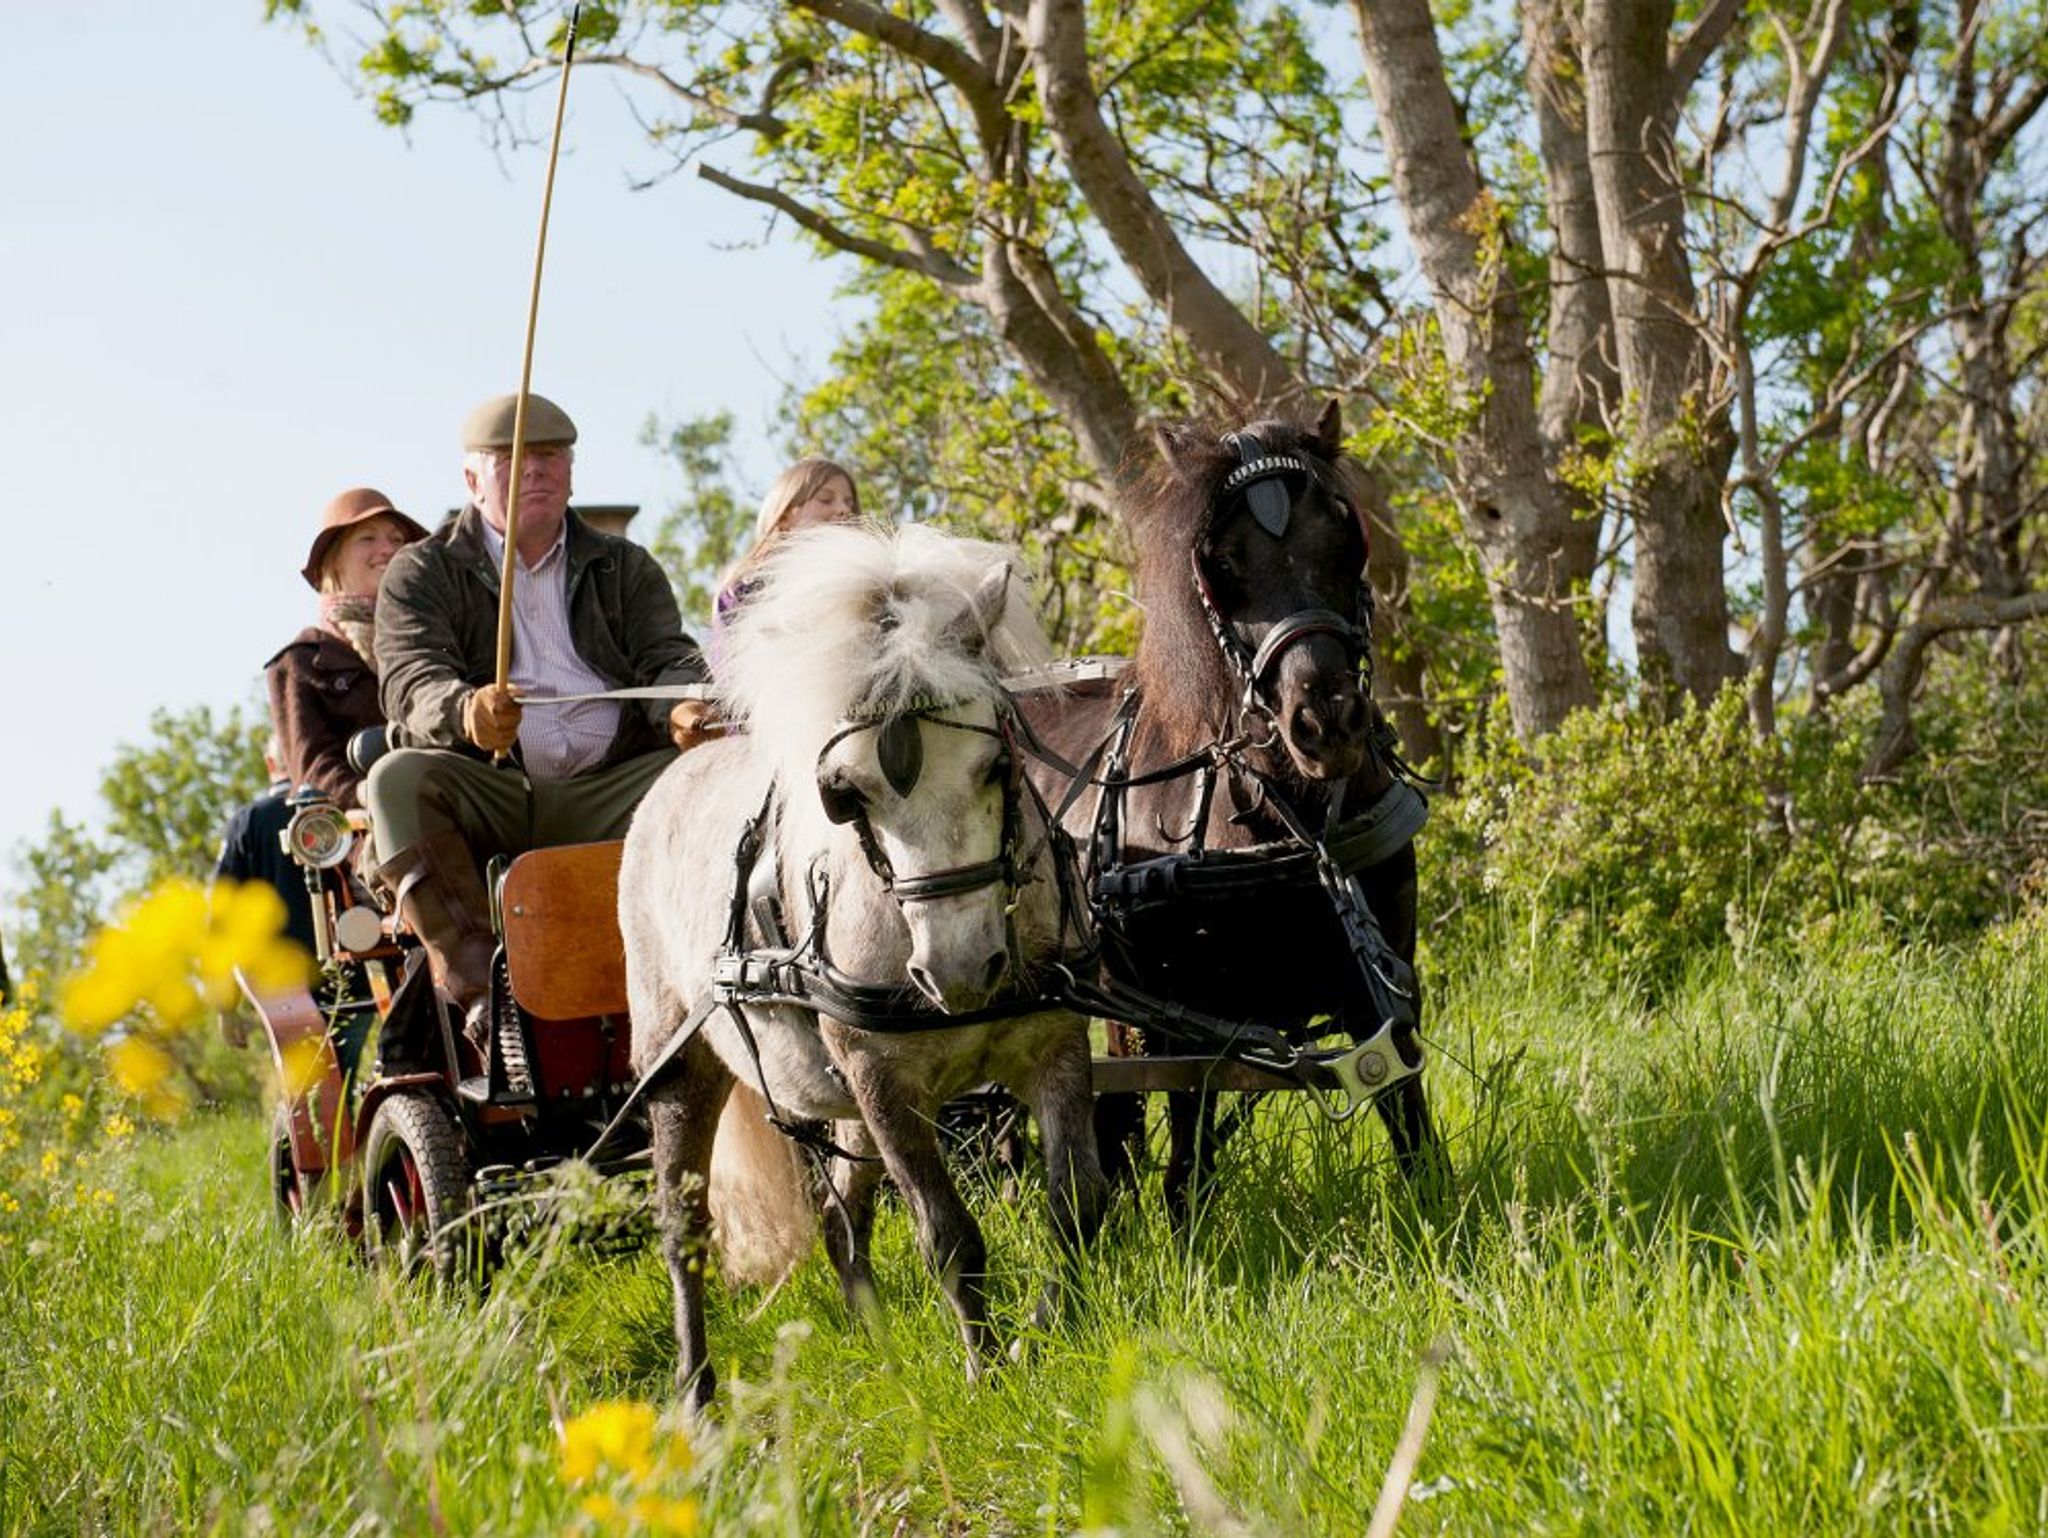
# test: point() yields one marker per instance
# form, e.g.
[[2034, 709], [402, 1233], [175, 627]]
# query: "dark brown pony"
[[1253, 673]]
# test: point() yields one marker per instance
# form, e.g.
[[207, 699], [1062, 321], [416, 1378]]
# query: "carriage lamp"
[[318, 836], [359, 928]]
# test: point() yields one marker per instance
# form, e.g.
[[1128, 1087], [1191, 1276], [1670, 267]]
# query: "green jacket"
[[437, 632]]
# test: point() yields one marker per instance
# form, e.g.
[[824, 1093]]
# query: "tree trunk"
[[1581, 389], [1500, 470], [1678, 433]]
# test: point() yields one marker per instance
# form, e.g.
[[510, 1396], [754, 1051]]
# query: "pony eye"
[[998, 770], [842, 800]]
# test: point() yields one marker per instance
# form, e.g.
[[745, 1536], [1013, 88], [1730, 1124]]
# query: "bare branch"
[[926, 261], [1693, 50]]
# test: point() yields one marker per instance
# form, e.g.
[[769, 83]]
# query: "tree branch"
[[925, 260], [1693, 50], [1894, 738]]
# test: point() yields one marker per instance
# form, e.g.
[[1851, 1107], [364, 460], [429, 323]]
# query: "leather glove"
[[692, 722], [490, 718]]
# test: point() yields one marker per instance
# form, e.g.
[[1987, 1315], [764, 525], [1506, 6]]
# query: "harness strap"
[[656, 1072], [1307, 622]]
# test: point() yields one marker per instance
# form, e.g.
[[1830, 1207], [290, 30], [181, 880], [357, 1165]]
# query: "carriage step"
[[476, 1088]]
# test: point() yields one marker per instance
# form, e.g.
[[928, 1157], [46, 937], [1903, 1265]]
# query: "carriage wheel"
[[292, 1192], [416, 1190]]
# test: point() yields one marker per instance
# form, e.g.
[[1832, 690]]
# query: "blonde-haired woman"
[[323, 686], [808, 495]]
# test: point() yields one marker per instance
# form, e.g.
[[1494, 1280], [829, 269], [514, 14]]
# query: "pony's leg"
[[1191, 1151], [1077, 1194], [1424, 1161], [904, 1128], [848, 1217], [1120, 1118], [684, 1123]]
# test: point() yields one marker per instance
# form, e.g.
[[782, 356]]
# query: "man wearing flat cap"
[[590, 612]]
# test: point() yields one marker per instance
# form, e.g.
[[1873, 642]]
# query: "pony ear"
[[991, 600], [1330, 429], [1177, 443]]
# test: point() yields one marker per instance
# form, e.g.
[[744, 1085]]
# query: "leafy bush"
[[1637, 844]]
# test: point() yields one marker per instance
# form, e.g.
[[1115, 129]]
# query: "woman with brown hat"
[[323, 686]]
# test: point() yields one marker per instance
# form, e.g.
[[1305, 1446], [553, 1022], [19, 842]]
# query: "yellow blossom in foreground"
[[178, 949], [648, 1514], [304, 1065], [617, 1436], [658, 1514], [144, 1070]]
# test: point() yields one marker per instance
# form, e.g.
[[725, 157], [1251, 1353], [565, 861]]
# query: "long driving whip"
[[540, 252]]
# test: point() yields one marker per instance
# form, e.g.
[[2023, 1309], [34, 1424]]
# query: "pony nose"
[[1325, 721], [973, 988]]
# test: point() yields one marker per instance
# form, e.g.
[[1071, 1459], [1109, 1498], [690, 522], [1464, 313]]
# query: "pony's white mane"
[[865, 621]]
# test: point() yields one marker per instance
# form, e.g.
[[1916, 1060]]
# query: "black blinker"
[[899, 748], [1270, 506]]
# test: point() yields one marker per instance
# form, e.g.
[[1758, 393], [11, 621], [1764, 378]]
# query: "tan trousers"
[[415, 793]]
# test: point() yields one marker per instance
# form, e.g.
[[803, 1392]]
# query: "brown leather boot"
[[440, 893]]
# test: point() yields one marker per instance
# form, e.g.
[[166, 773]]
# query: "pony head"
[[868, 670], [1251, 557]]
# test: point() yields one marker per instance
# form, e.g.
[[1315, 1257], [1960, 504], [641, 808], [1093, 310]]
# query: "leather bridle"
[[901, 766], [1252, 484]]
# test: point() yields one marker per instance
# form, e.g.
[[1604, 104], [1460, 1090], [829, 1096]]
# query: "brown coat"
[[321, 694]]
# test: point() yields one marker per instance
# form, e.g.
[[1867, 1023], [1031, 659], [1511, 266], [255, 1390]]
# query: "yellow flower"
[[246, 931], [119, 1126], [178, 949], [73, 1106], [53, 1161], [144, 1070], [659, 1514], [8, 1203], [618, 1435], [305, 1065], [25, 1064]]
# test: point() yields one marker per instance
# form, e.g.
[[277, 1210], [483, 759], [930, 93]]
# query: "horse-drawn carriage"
[[437, 1128], [930, 858]]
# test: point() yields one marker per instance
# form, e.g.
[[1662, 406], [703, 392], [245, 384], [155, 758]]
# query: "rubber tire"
[[416, 1191], [292, 1195]]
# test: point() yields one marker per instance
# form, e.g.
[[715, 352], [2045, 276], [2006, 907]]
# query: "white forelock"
[[868, 621]]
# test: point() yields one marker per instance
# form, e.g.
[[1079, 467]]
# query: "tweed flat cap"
[[490, 425], [343, 514]]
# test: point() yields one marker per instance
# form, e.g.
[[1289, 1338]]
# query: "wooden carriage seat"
[[562, 945]]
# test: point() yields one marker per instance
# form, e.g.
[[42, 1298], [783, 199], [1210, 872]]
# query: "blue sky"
[[231, 294]]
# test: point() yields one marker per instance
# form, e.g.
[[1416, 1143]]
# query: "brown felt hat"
[[490, 425], [343, 514]]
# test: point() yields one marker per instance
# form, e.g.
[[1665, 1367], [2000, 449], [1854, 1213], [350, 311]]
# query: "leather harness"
[[777, 968]]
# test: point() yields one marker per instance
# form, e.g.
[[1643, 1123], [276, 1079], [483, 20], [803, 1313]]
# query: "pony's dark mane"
[[1186, 682]]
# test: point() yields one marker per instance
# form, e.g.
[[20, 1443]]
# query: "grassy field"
[[1765, 1257]]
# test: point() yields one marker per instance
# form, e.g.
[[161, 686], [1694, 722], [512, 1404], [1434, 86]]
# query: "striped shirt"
[[556, 742]]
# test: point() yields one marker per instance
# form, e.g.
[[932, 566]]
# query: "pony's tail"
[[761, 1209]]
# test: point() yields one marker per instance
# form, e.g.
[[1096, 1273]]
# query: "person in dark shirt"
[[252, 849]]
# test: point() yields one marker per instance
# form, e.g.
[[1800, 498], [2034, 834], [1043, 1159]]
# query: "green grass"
[[1765, 1257]]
